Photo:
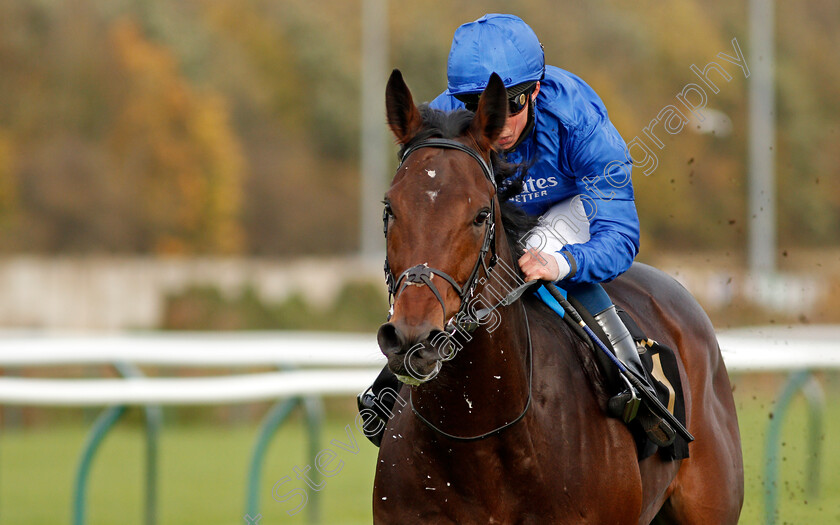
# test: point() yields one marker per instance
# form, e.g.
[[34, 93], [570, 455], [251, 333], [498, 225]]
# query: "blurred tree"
[[8, 196], [218, 126], [174, 146], [289, 73], [808, 78]]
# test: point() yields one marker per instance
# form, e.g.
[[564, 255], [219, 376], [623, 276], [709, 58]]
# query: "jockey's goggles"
[[518, 97]]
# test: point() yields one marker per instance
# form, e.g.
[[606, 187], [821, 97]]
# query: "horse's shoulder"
[[561, 348]]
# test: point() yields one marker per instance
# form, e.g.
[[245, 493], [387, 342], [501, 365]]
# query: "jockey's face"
[[515, 125]]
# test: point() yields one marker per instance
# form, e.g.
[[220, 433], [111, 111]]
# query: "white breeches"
[[564, 223]]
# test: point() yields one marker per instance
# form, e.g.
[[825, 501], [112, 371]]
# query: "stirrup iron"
[[631, 404]]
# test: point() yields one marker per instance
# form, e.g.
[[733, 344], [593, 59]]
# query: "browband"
[[452, 144]]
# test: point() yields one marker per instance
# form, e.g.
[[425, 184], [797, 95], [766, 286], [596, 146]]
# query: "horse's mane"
[[509, 177]]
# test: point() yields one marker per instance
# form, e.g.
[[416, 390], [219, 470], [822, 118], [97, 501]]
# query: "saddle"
[[659, 361]]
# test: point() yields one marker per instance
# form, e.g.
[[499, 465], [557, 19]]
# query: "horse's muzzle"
[[411, 354]]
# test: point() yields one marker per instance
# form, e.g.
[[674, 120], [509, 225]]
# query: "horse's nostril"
[[388, 338]]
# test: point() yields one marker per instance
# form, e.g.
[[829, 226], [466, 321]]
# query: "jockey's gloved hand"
[[543, 265]]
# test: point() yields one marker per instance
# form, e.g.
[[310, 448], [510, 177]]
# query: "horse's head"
[[440, 215]]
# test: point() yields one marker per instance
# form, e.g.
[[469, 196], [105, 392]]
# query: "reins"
[[506, 425]]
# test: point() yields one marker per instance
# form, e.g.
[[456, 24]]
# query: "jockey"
[[578, 181]]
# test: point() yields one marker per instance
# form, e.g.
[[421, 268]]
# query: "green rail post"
[[314, 414], [271, 422], [103, 423], [314, 407], [816, 402], [106, 420], [154, 419], [804, 381]]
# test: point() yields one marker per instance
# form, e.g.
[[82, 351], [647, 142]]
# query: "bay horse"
[[513, 428]]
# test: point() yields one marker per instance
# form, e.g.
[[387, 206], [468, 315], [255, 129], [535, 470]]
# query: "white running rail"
[[324, 364]]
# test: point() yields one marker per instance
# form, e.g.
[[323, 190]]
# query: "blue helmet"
[[501, 44]]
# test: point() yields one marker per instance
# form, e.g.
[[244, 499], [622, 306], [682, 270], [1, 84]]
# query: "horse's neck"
[[486, 384]]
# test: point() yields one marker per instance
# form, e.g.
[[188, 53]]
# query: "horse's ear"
[[491, 114], [403, 116]]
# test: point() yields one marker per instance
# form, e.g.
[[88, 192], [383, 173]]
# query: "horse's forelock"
[[439, 124]]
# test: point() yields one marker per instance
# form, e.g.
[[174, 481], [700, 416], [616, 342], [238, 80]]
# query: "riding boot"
[[625, 404], [376, 404]]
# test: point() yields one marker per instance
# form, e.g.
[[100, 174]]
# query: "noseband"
[[422, 274]]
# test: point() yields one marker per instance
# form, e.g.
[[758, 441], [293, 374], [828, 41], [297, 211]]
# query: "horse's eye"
[[482, 217], [388, 211]]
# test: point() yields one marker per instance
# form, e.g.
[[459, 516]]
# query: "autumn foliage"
[[227, 127]]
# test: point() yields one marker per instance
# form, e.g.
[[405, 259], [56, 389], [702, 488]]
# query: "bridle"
[[422, 274]]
